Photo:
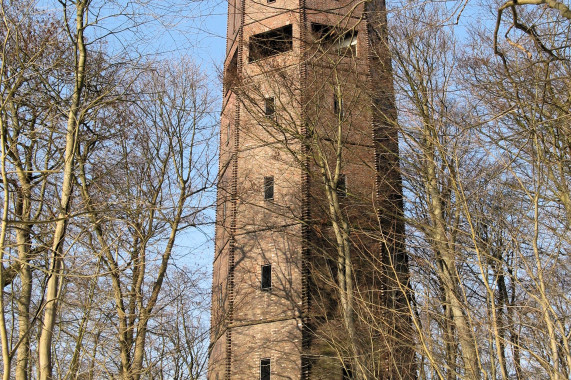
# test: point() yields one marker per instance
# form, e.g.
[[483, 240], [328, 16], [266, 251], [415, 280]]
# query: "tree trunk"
[[445, 250], [55, 269], [23, 241], [6, 358]]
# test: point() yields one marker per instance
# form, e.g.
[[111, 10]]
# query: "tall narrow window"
[[341, 186], [266, 282], [265, 369], [220, 296], [332, 266], [347, 371], [228, 134], [270, 107], [231, 74], [269, 187], [338, 105]]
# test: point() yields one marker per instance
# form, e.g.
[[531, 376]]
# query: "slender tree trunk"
[[145, 313], [514, 335], [542, 298], [124, 329], [139, 355], [55, 268], [6, 358], [341, 230], [447, 271], [450, 342], [74, 365], [22, 364], [23, 241], [500, 320]]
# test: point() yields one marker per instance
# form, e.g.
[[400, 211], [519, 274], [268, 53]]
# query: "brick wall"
[[249, 323]]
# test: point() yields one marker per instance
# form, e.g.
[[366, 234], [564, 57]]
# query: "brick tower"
[[309, 268]]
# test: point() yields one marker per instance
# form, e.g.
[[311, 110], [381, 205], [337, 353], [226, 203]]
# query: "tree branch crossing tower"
[[310, 274]]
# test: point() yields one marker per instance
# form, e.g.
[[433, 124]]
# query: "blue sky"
[[167, 29]]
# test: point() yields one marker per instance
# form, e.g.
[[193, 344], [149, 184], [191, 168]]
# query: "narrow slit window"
[[270, 107], [228, 134], [347, 371], [332, 267], [270, 43], [271, 1], [266, 281], [341, 186], [269, 188], [231, 74], [338, 105], [265, 369]]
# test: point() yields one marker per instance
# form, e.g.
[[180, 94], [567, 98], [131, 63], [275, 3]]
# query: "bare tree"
[[156, 186], [530, 78], [66, 105], [481, 188], [31, 54]]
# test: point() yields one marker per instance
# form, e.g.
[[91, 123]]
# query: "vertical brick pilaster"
[[305, 198]]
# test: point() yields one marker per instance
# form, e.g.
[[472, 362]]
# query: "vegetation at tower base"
[[105, 161], [484, 161]]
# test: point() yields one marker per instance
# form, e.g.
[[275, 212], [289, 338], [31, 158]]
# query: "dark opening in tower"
[[270, 43]]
